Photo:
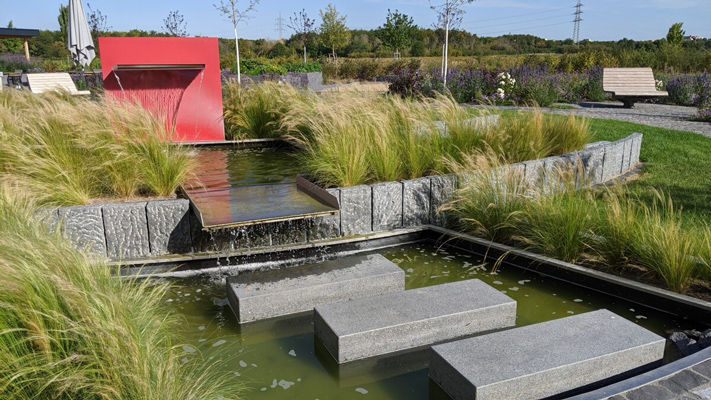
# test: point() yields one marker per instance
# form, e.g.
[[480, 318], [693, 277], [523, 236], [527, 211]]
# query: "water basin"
[[279, 359]]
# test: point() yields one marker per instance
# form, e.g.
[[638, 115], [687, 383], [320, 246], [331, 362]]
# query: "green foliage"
[[63, 19], [398, 30], [12, 45], [334, 32], [675, 36], [70, 328], [69, 151]]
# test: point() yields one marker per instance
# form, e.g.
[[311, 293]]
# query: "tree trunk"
[[446, 48], [304, 53], [239, 72]]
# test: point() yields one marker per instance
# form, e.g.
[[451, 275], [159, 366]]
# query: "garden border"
[[149, 229]]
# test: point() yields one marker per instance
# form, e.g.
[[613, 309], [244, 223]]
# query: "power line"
[[521, 22], [523, 29], [520, 15], [576, 28]]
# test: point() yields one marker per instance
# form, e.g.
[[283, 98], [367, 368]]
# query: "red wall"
[[191, 99]]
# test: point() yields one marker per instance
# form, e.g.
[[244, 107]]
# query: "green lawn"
[[676, 162]]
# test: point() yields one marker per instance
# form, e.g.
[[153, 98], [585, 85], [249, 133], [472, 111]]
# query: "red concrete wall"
[[190, 100]]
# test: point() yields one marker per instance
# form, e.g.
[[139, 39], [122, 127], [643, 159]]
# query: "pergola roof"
[[18, 33]]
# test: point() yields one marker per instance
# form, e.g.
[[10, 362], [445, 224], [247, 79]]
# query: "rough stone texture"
[[544, 359], [595, 145], [126, 228], [416, 202], [356, 210], [650, 392], [554, 172], [387, 206], [442, 189], [612, 164], [518, 170], [328, 227], [627, 154], [84, 227], [688, 380], [274, 293], [534, 172], [49, 217], [592, 160], [636, 148], [384, 324], [169, 227]]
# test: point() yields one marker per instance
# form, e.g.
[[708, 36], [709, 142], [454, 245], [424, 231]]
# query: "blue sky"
[[602, 19]]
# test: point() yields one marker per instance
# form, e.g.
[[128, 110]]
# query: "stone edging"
[[130, 231]]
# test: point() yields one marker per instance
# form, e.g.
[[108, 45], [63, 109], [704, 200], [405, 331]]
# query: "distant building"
[[694, 38]]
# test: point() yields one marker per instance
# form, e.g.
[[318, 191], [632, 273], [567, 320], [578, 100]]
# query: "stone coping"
[[150, 229]]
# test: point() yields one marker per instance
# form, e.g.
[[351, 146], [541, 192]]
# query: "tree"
[[302, 25], [675, 36], [236, 16], [334, 32], [449, 15], [12, 45], [97, 22], [397, 32], [175, 25], [63, 20]]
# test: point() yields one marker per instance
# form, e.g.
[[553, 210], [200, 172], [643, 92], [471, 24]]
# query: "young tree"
[[236, 16], [334, 32], [174, 24], [397, 32], [302, 25], [449, 15], [675, 36], [63, 19], [97, 22]]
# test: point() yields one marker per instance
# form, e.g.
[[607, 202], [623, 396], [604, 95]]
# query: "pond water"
[[279, 359], [222, 166]]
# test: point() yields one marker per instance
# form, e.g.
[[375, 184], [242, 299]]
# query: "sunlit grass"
[[71, 329], [69, 151]]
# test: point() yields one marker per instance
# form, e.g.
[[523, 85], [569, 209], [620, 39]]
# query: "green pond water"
[[279, 359]]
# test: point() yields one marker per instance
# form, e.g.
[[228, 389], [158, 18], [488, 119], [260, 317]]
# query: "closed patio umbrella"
[[79, 39]]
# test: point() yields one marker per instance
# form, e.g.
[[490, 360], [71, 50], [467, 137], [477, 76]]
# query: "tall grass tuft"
[[70, 329], [492, 198], [70, 151], [663, 245]]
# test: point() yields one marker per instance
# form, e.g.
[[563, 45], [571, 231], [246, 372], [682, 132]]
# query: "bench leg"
[[626, 103]]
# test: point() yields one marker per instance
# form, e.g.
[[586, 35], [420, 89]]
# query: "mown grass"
[[71, 329], [68, 150]]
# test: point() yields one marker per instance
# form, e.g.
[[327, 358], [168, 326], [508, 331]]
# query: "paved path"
[[659, 115]]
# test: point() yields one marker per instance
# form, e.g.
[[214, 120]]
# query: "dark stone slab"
[[689, 379], [387, 206], [126, 228], [389, 323], [704, 369], [650, 392], [84, 227], [441, 192], [269, 294], [327, 227], [356, 210], [416, 202], [545, 359], [169, 227]]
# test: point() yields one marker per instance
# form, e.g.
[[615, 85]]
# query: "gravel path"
[[659, 115]]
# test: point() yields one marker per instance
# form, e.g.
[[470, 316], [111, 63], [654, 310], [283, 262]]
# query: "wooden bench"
[[630, 85], [47, 82]]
